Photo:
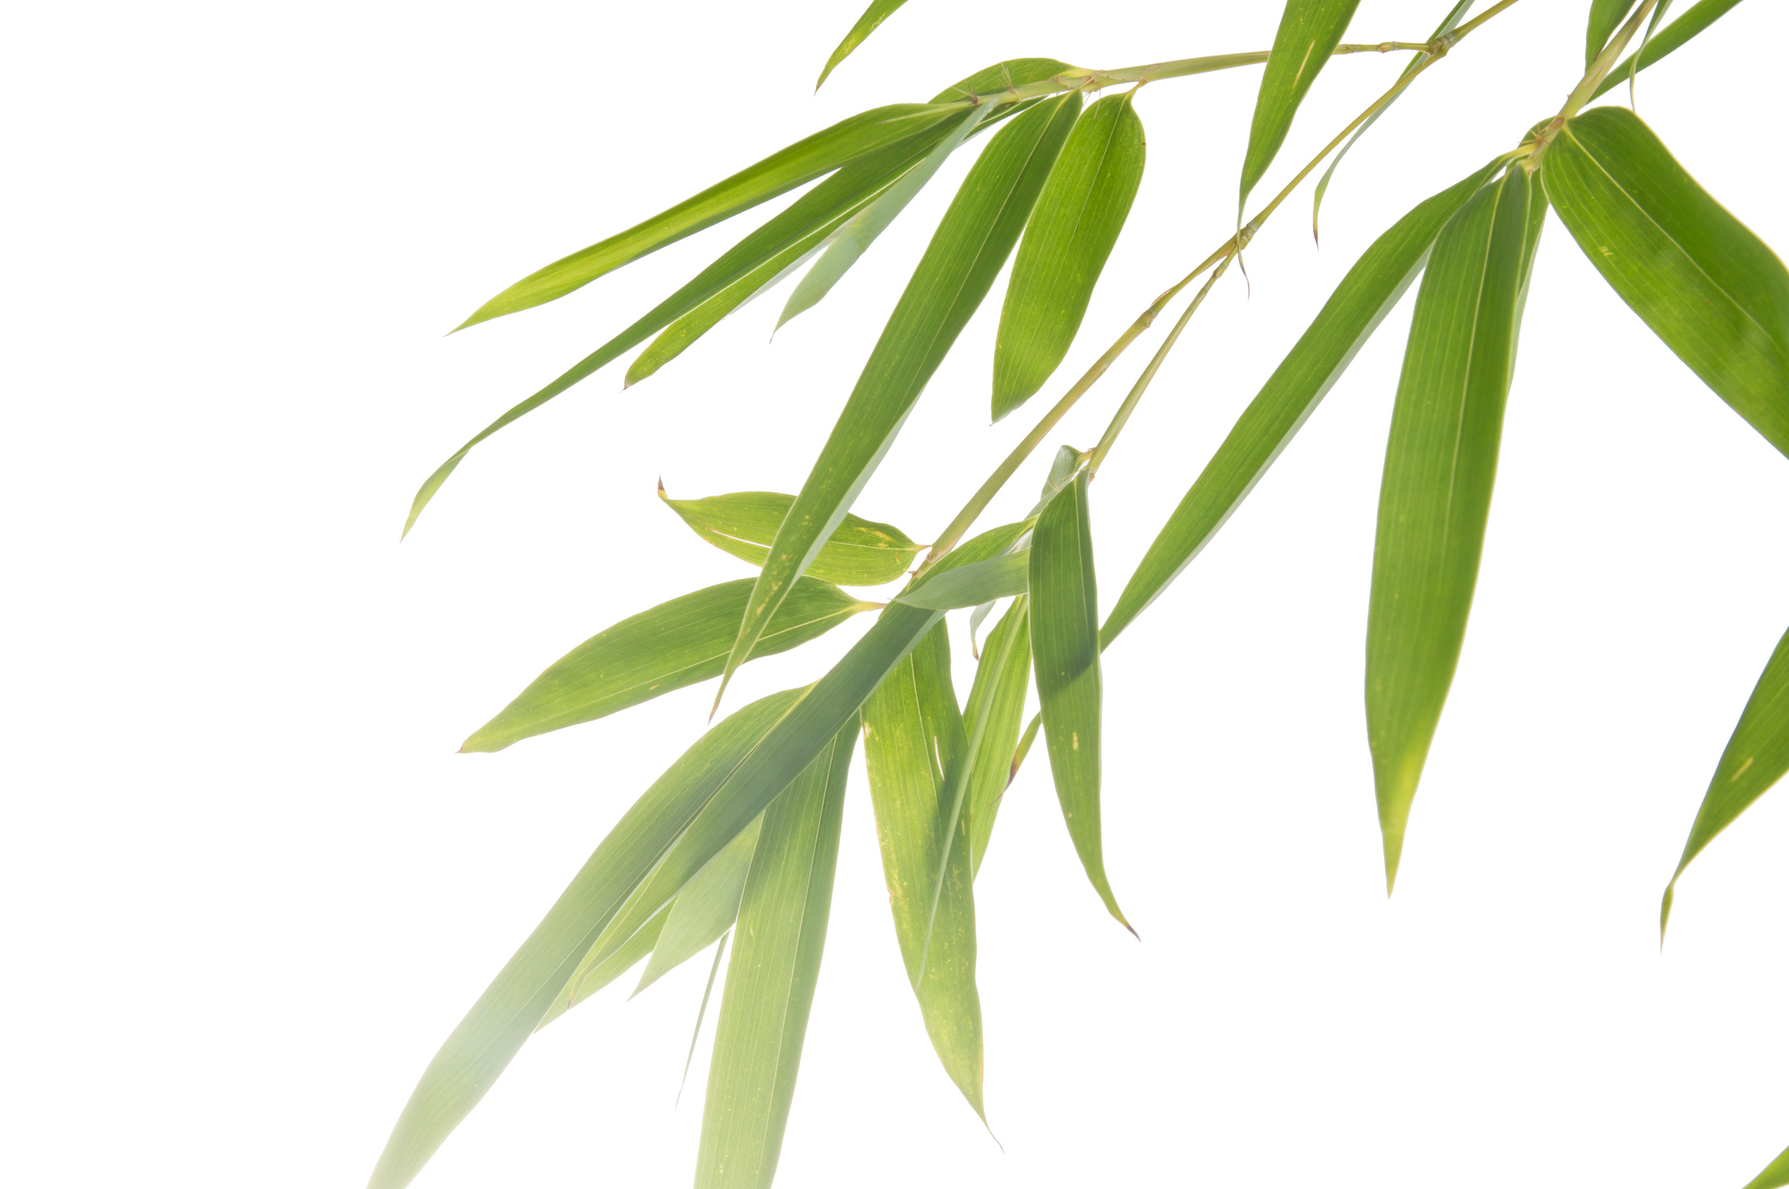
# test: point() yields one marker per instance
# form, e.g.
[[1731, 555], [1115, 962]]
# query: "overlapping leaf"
[[1605, 17], [874, 15], [639, 946], [1070, 235], [997, 701], [1674, 36], [1440, 465], [675, 644], [705, 908], [771, 977], [1756, 757], [1308, 34], [858, 553], [959, 266], [966, 586], [1696, 275]]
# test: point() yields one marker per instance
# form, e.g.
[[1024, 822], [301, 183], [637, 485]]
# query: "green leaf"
[[673, 645], [714, 969], [611, 968], [855, 238], [1697, 18], [1369, 291], [874, 15], [966, 586], [1440, 464], [956, 272], [1696, 275], [542, 970], [771, 977], [915, 748], [1308, 34], [858, 553], [1443, 29], [705, 908], [778, 173], [1605, 17], [998, 698], [1013, 72], [1775, 1176], [1071, 233], [1065, 652], [1756, 757]]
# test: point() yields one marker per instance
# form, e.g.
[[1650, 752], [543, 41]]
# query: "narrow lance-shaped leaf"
[[998, 696], [639, 946], [705, 908], [1369, 291], [1065, 652], [874, 15], [914, 747], [996, 578], [1696, 18], [959, 266], [1605, 17], [1440, 464], [858, 553], [1071, 233], [771, 976], [673, 645], [1713, 291], [1308, 34], [522, 994], [1756, 757], [1774, 1176], [856, 236]]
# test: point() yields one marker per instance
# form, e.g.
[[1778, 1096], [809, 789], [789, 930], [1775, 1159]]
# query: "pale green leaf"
[[997, 699], [1696, 18], [1308, 34], [858, 553], [639, 946], [1001, 76], [714, 968], [966, 586], [705, 908], [874, 15]]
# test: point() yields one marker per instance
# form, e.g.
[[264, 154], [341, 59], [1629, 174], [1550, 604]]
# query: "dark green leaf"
[[915, 749], [705, 908], [1699, 17], [1440, 464], [673, 645], [771, 978], [1369, 291], [1756, 757], [965, 586], [959, 266], [858, 553], [523, 993], [1775, 1176], [1308, 34], [1071, 233], [874, 15], [1605, 17], [1704, 283], [1065, 652], [998, 696]]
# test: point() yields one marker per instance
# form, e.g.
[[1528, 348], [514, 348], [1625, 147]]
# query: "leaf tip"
[[1665, 910]]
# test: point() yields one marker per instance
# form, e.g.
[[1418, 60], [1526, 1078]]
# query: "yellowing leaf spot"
[[1074, 741], [1741, 771], [1605, 251]]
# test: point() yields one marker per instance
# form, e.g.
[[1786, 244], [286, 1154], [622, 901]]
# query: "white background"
[[247, 886]]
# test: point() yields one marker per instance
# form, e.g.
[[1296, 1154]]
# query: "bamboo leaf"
[[1696, 275], [1756, 757], [1440, 464], [542, 970], [1369, 291], [705, 908], [714, 968], [639, 946], [1605, 17], [855, 238], [673, 645], [1775, 1175], [915, 748], [966, 586], [1308, 34], [1065, 652], [1071, 233], [858, 553], [998, 696], [874, 15], [1696, 18], [1001, 76], [771, 977], [956, 272]]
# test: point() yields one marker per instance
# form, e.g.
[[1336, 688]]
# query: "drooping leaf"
[[705, 908], [1440, 464], [542, 970], [998, 696], [856, 236], [1774, 1176], [966, 586], [959, 266], [771, 977], [1605, 17], [1308, 34], [915, 748], [858, 553], [1696, 18], [639, 946], [1756, 757], [1072, 231], [1453, 18], [874, 15], [673, 645], [1369, 291], [1713, 291], [1065, 652]]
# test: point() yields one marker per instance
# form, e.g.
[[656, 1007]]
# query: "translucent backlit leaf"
[[858, 553]]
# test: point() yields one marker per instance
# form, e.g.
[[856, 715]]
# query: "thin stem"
[[1593, 77]]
